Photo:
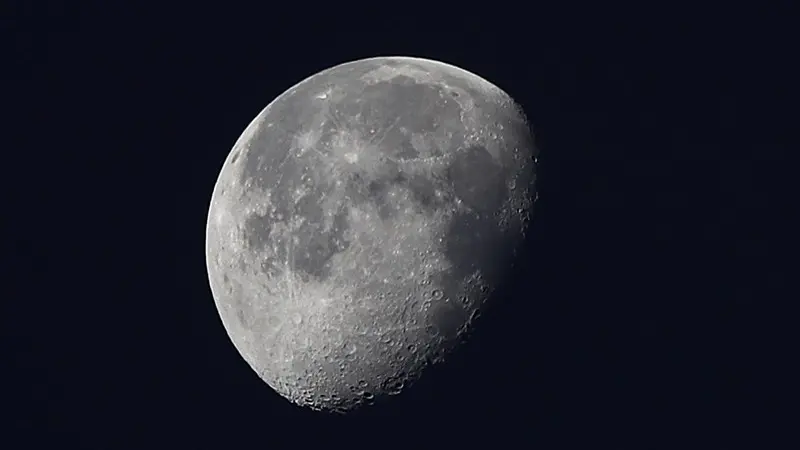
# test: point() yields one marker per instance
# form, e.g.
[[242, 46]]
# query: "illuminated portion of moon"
[[362, 220]]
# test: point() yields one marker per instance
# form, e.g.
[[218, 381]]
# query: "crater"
[[477, 180], [448, 318]]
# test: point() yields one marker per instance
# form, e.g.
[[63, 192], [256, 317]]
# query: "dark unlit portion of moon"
[[362, 220]]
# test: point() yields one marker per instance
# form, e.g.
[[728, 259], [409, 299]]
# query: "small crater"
[[393, 385], [475, 315], [526, 219]]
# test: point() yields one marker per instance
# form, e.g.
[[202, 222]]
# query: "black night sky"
[[640, 317]]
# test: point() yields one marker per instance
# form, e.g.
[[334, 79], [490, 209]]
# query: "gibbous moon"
[[361, 222]]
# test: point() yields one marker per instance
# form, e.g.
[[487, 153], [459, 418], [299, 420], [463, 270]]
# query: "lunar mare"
[[362, 220]]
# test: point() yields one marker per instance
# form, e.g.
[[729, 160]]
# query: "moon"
[[362, 221]]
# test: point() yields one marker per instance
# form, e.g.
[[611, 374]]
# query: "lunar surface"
[[361, 222]]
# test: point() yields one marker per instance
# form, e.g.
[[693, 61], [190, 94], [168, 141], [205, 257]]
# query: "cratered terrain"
[[361, 222]]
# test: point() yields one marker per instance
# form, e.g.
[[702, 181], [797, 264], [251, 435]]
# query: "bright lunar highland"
[[361, 222]]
